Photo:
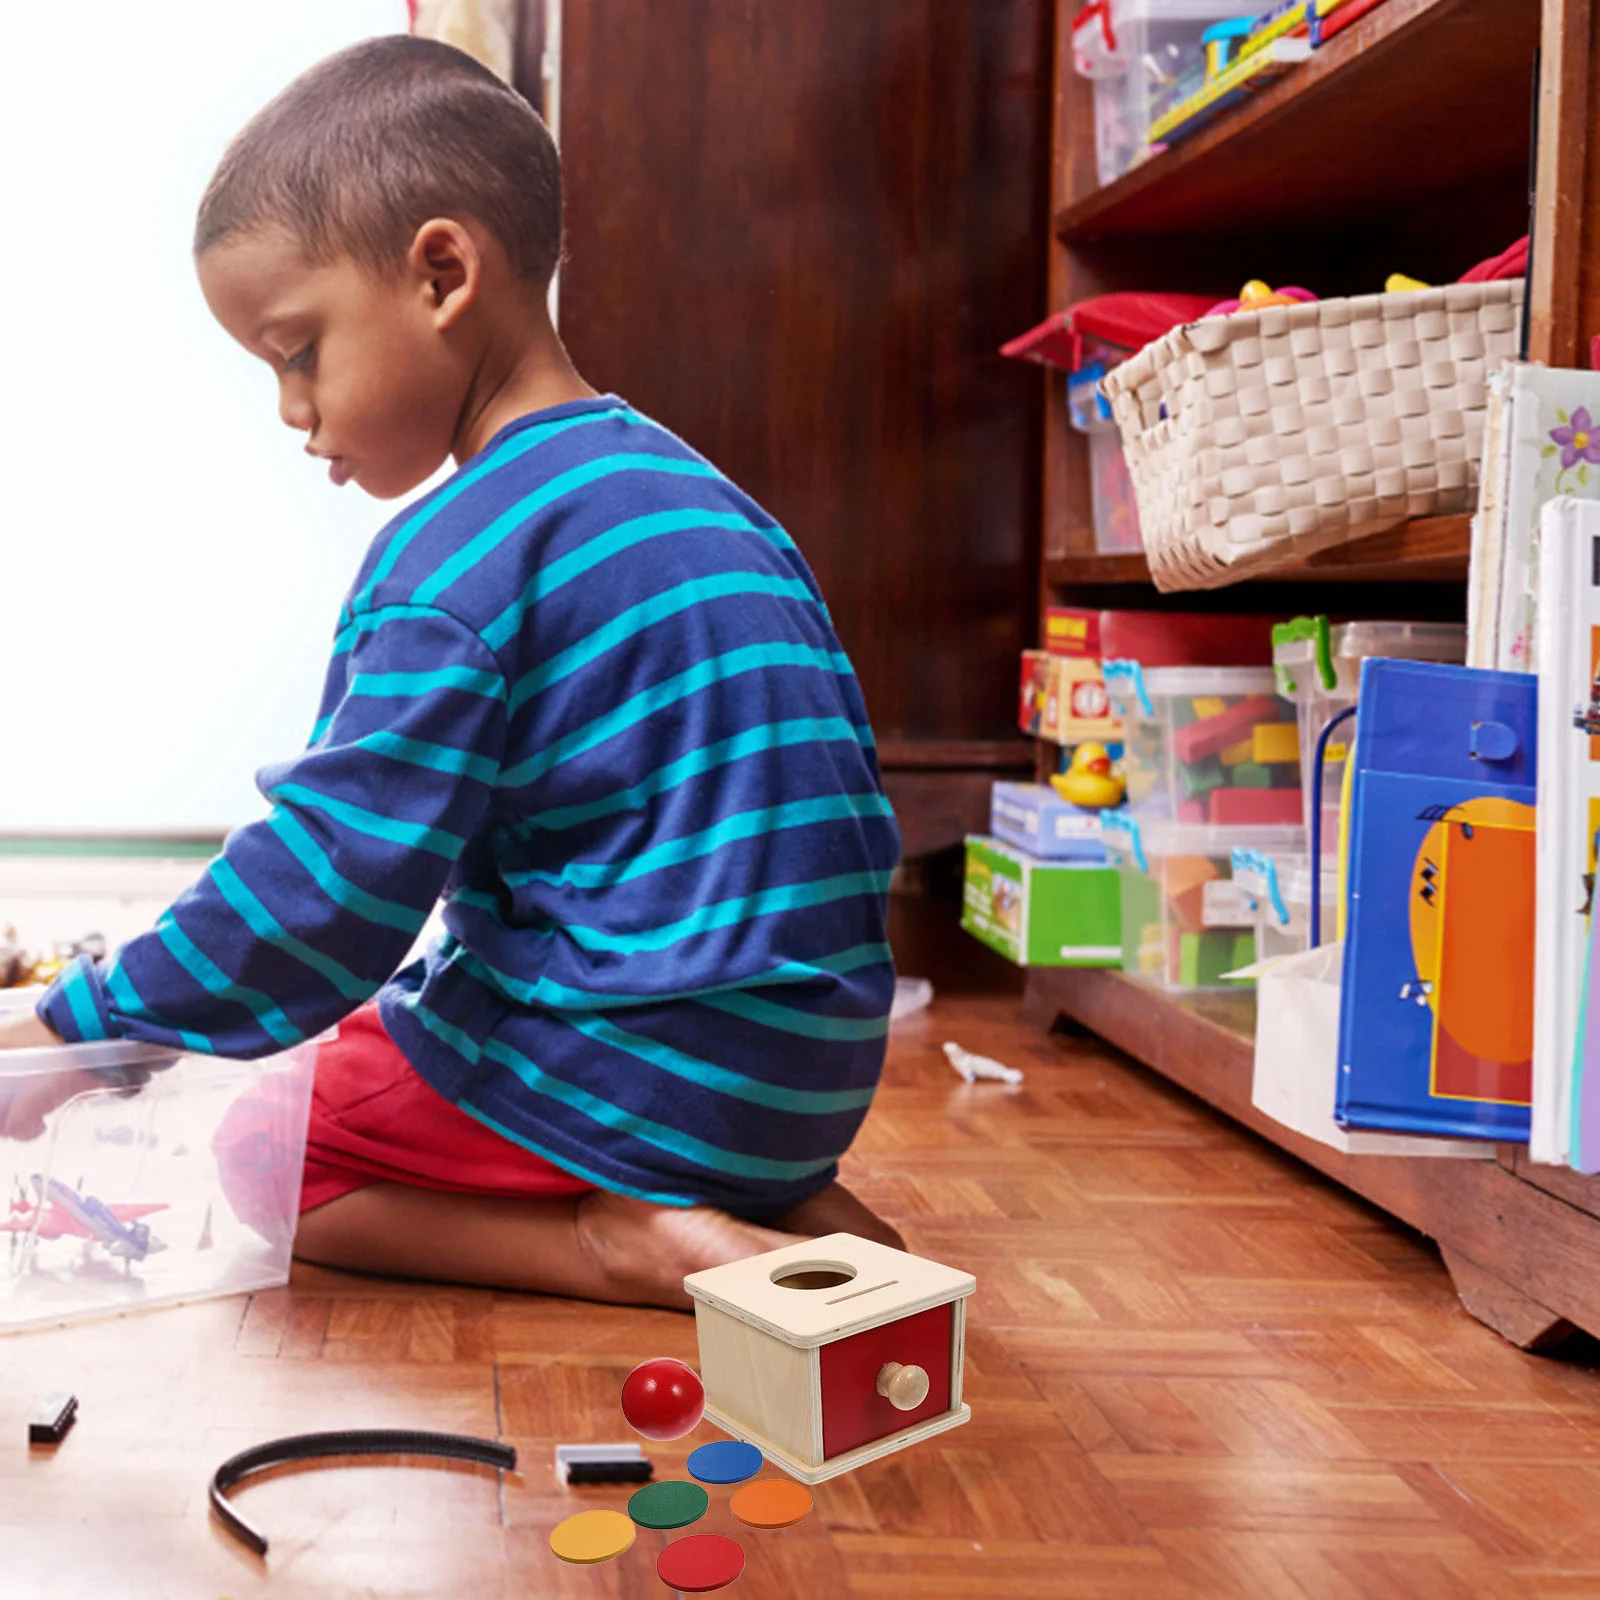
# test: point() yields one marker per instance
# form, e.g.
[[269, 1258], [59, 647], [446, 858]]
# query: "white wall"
[[171, 562]]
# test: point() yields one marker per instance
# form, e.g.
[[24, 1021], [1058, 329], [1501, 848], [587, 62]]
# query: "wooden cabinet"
[[1403, 145]]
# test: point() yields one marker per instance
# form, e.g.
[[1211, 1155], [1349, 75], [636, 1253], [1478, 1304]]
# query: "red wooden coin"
[[700, 1563]]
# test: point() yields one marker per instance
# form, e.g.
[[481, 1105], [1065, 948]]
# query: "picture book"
[[1436, 1019], [1569, 807], [1541, 440]]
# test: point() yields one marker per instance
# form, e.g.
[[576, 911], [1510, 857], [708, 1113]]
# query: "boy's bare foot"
[[836, 1210], [646, 1251], [597, 1246]]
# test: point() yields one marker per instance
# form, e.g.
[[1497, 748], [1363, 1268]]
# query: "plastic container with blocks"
[[1164, 871], [1144, 57], [184, 1188], [1207, 746], [1318, 667], [1276, 891]]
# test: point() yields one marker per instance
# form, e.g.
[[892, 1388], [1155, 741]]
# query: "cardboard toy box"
[[1160, 638], [1064, 698], [1041, 913], [1034, 818]]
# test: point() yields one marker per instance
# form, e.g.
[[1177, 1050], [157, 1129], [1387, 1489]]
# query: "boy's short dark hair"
[[363, 148]]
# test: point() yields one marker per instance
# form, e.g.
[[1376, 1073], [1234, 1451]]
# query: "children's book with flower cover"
[[1541, 440], [1568, 814]]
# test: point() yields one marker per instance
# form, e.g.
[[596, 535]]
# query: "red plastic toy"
[[663, 1398]]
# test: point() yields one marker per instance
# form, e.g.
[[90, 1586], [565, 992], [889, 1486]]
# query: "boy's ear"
[[448, 266]]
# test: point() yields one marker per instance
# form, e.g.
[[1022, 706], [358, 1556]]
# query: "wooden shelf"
[[1418, 99], [1485, 1211], [1428, 550]]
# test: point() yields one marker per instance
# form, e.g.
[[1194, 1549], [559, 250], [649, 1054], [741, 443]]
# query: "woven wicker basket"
[[1255, 439]]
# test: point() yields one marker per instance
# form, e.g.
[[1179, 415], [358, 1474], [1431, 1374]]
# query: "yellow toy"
[[1399, 283], [1090, 781]]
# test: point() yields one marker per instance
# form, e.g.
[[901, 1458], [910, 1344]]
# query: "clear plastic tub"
[[1164, 873], [1207, 746], [1146, 61], [1318, 667], [183, 1189], [1276, 893], [1116, 512]]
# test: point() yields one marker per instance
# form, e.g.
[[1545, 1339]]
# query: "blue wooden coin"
[[726, 1461]]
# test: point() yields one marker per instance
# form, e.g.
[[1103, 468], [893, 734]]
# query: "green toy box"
[[1041, 913]]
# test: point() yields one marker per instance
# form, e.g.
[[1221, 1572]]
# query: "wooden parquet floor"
[[1196, 1369]]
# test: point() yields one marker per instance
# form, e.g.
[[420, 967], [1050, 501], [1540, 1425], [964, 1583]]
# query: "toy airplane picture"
[[66, 1214]]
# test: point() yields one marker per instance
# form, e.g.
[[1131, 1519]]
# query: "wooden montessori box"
[[828, 1354]]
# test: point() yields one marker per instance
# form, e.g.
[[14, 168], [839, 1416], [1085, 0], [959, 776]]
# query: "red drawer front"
[[853, 1412]]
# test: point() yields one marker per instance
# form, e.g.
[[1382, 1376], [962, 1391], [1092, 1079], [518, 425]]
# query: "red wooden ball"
[[663, 1399]]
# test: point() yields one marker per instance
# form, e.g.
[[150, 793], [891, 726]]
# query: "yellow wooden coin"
[[592, 1536]]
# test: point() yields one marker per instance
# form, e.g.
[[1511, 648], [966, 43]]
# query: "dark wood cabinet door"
[[797, 233]]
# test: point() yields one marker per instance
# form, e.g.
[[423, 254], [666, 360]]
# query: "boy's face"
[[363, 369]]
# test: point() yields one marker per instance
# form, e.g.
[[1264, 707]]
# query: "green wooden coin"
[[670, 1504]]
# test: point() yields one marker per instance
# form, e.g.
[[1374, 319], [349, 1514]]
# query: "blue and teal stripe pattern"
[[587, 694]]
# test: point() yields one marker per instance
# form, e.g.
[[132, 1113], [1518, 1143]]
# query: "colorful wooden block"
[[1276, 742], [1203, 958], [1264, 807], [1248, 775], [830, 1353], [1215, 733], [1197, 778], [1184, 880], [1244, 750]]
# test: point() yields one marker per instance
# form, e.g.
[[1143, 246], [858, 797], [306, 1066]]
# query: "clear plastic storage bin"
[[1207, 746], [1164, 871], [1144, 56], [1116, 512], [183, 1189], [1276, 895], [1318, 667]]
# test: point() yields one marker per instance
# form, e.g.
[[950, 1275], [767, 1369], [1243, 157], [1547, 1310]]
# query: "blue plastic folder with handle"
[[1436, 1018]]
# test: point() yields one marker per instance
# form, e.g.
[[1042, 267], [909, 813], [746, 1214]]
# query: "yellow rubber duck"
[[1090, 781]]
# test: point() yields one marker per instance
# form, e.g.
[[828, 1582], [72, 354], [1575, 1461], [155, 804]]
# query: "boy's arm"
[[26, 1031], [306, 913]]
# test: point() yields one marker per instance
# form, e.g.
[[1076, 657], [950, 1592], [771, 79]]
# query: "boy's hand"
[[25, 1031], [26, 1101]]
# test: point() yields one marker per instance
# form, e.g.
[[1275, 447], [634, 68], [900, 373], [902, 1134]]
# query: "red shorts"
[[373, 1118]]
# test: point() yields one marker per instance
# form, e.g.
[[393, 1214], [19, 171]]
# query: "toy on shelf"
[[1063, 699], [1236, 65], [1160, 638], [1041, 913], [833, 1352], [1091, 781], [1107, 327], [1257, 296], [1332, 17], [1035, 818]]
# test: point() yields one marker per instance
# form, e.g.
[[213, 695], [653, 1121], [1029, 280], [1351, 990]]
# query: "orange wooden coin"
[[772, 1503]]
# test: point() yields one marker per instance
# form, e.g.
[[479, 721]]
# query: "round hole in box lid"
[[813, 1274]]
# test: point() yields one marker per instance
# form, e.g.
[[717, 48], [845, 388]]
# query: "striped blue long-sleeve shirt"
[[588, 692]]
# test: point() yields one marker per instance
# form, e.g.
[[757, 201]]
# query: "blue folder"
[[1436, 1008]]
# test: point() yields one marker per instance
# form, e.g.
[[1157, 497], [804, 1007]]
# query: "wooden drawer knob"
[[905, 1388]]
